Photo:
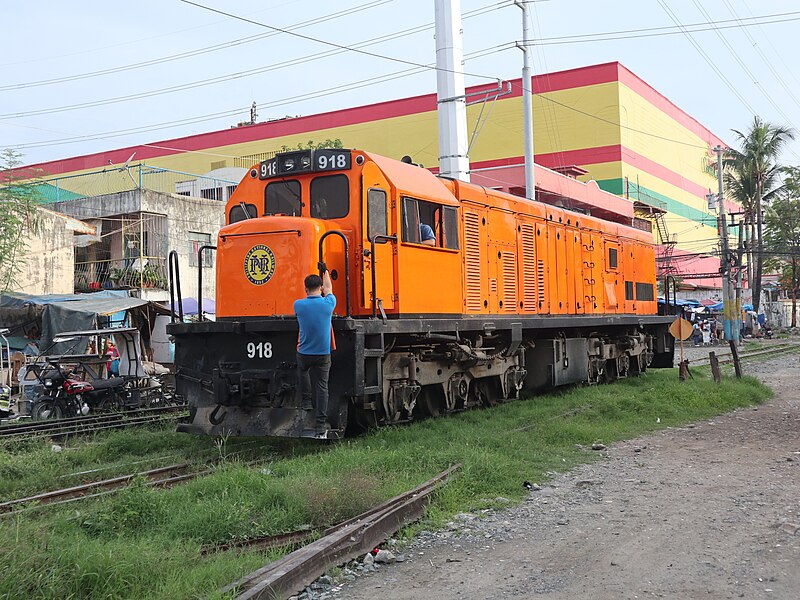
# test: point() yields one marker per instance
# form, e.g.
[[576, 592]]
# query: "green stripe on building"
[[637, 192]]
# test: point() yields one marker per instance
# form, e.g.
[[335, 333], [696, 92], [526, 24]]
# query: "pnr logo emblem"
[[259, 264]]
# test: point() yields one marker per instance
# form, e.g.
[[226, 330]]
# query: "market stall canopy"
[[64, 312]]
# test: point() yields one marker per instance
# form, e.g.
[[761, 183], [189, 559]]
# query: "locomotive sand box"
[[513, 295]]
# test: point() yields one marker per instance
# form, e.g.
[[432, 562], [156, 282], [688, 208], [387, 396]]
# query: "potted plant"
[[117, 276]]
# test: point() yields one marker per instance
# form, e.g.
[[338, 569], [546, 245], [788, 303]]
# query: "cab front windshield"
[[329, 198]]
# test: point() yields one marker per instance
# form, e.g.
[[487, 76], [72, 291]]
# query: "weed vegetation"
[[146, 543]]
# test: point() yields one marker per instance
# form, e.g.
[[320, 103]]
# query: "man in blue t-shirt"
[[314, 314], [426, 235]]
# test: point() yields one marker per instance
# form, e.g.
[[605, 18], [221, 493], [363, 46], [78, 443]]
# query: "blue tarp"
[[190, 306]]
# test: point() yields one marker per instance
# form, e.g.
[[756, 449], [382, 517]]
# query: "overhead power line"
[[646, 32], [241, 74], [323, 93], [192, 53], [260, 106], [744, 66], [333, 44], [705, 56]]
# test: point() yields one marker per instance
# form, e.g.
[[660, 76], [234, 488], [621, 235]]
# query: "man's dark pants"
[[313, 371]]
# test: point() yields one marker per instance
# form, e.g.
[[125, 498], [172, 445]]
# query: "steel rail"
[[339, 544], [727, 357], [65, 427], [91, 428], [87, 419], [81, 491]]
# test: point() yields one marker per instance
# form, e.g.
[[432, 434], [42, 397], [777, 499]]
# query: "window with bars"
[[196, 241]]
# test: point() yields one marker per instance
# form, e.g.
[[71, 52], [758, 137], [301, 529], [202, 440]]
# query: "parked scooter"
[[64, 396]]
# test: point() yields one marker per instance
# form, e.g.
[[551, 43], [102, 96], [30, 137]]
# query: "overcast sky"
[[61, 46]]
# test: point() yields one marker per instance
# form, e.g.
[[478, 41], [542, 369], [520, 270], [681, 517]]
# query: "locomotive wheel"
[[46, 409], [610, 371], [431, 401], [487, 392]]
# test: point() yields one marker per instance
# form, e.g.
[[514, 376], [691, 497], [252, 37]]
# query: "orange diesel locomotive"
[[514, 295]]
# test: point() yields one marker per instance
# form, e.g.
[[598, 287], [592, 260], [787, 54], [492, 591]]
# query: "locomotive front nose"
[[240, 374], [262, 264]]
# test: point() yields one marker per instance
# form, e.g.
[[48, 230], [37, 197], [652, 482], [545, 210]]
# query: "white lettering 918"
[[259, 350]]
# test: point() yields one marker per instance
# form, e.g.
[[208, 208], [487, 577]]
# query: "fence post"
[[715, 370], [737, 366]]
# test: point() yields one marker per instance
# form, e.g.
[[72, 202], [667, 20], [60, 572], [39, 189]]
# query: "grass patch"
[[145, 543]]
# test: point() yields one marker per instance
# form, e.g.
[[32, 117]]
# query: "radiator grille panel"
[[472, 261], [528, 239], [509, 267]]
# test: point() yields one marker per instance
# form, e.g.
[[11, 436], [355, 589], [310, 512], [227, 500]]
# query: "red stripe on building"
[[599, 155], [548, 82], [665, 105]]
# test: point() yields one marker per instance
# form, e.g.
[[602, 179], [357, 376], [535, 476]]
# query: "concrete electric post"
[[731, 322]]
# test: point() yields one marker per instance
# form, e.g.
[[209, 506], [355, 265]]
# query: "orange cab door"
[[377, 221]]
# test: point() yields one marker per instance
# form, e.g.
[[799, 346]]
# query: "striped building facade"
[[600, 122]]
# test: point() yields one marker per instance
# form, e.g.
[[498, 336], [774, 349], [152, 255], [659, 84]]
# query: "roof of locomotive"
[[412, 178]]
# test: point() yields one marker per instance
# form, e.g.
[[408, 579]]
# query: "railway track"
[[91, 424], [727, 357], [160, 477], [338, 544]]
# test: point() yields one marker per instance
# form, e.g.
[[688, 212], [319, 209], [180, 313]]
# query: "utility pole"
[[739, 266], [527, 100], [450, 92], [731, 323]]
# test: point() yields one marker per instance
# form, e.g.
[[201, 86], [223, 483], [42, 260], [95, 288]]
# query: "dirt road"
[[706, 511]]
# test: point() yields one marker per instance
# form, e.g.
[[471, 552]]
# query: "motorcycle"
[[63, 396]]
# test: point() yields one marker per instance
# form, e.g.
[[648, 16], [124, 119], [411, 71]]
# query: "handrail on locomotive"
[[340, 234], [376, 302]]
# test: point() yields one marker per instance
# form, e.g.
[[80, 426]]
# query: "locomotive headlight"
[[305, 162], [288, 164]]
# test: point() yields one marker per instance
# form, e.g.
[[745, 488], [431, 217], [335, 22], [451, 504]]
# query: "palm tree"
[[752, 178]]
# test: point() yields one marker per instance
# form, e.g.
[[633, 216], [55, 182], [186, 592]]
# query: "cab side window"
[[430, 224], [282, 198], [410, 221], [450, 227], [377, 222], [237, 213]]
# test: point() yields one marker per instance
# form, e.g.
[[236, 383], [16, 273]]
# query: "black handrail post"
[[174, 285], [200, 279], [667, 280], [388, 238], [346, 263]]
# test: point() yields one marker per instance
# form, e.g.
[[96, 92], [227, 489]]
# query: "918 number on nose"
[[259, 350]]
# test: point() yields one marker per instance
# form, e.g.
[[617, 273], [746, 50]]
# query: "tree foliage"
[[782, 236], [312, 145], [753, 179], [18, 202]]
